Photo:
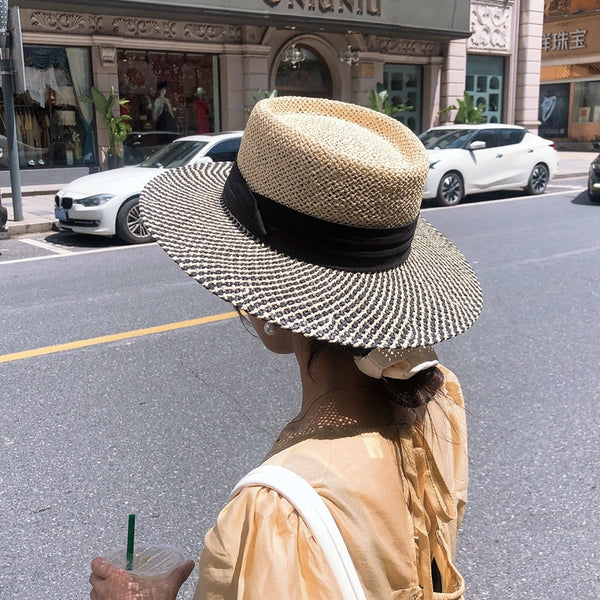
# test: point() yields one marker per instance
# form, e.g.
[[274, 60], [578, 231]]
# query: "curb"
[[21, 227]]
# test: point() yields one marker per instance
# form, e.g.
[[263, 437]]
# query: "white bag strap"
[[310, 506]]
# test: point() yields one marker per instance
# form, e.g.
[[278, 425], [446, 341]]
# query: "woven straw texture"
[[325, 166], [433, 296]]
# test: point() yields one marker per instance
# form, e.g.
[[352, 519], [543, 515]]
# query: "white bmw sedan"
[[468, 159], [106, 203]]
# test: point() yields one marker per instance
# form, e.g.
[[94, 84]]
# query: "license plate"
[[60, 213]]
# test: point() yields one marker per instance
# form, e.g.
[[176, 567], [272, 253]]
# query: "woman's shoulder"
[[452, 387]]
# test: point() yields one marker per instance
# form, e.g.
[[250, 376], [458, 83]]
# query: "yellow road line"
[[105, 339]]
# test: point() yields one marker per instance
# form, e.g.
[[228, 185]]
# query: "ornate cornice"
[[491, 26], [401, 46], [65, 23], [213, 33]]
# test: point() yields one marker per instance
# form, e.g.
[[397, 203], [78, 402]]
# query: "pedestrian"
[[315, 234]]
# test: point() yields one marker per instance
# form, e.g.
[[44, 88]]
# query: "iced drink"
[[148, 561]]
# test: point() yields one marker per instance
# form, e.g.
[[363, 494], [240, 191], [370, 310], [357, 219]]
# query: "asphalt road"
[[163, 424]]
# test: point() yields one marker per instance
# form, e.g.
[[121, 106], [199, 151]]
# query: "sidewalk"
[[38, 201]]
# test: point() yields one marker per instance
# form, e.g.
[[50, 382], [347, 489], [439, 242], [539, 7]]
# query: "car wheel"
[[538, 180], [451, 189], [130, 227]]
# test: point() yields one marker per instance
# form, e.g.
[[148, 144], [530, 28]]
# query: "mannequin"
[[164, 119]]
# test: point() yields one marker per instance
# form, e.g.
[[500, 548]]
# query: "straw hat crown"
[[317, 228], [334, 161]]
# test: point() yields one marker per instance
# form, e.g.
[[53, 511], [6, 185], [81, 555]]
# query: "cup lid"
[[148, 560]]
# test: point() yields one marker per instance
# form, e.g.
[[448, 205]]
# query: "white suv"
[[467, 159]]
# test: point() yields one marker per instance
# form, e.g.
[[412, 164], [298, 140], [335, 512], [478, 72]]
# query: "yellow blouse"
[[397, 495]]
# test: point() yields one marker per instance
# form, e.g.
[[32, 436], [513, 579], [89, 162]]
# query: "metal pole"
[[9, 113]]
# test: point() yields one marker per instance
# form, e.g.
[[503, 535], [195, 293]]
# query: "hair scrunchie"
[[400, 363]]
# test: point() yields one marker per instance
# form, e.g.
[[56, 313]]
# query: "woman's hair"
[[408, 393]]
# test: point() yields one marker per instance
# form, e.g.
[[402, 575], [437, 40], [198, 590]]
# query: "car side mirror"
[[477, 145]]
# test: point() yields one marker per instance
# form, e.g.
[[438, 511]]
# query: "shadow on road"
[[80, 240], [583, 198]]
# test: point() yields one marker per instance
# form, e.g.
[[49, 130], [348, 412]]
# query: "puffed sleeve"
[[261, 549]]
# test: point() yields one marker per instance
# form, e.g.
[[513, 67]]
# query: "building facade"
[[569, 104], [217, 57]]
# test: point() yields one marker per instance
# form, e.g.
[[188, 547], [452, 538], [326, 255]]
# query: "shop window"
[[484, 82], [404, 86], [187, 96], [311, 77], [586, 102], [53, 124]]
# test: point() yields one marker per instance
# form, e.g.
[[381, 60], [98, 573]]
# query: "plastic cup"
[[154, 562]]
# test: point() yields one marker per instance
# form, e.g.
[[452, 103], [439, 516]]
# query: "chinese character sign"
[[564, 40]]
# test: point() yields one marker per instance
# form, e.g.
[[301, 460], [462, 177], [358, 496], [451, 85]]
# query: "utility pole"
[[6, 70]]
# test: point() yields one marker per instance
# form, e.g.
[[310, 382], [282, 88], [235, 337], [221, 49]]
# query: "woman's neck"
[[334, 381]]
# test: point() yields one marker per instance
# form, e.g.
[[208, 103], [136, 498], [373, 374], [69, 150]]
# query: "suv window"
[[225, 151], [509, 137], [488, 136]]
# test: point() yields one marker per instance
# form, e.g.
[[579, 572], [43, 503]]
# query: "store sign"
[[394, 17], [358, 7], [575, 36], [564, 40]]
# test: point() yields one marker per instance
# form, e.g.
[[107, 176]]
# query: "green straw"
[[130, 534]]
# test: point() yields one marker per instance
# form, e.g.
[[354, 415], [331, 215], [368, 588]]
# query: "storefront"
[[569, 101], [208, 64]]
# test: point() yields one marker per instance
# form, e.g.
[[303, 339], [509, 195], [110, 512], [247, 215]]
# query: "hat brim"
[[433, 296]]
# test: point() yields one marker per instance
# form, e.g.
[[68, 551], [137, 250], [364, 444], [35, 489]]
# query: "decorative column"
[[453, 77], [495, 24], [529, 63]]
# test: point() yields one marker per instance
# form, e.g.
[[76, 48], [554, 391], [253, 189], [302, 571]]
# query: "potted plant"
[[380, 102], [467, 113], [118, 126]]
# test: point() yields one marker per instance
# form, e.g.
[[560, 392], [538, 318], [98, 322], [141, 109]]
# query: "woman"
[[315, 233]]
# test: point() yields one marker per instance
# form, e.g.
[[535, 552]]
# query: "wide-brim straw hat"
[[326, 240]]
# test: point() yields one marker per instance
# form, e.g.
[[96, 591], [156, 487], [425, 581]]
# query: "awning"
[[421, 19]]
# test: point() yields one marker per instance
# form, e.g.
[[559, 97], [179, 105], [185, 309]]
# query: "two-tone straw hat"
[[316, 228]]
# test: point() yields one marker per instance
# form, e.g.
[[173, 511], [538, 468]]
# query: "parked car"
[[467, 159], [139, 145], [106, 203], [594, 177]]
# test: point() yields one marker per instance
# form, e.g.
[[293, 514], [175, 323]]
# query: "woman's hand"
[[110, 583]]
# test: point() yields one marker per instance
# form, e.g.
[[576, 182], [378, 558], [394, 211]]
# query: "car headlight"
[[96, 200]]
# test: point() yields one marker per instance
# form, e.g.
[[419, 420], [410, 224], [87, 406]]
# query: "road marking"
[[94, 251], [566, 187], [105, 339], [501, 200], [46, 246], [552, 257]]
